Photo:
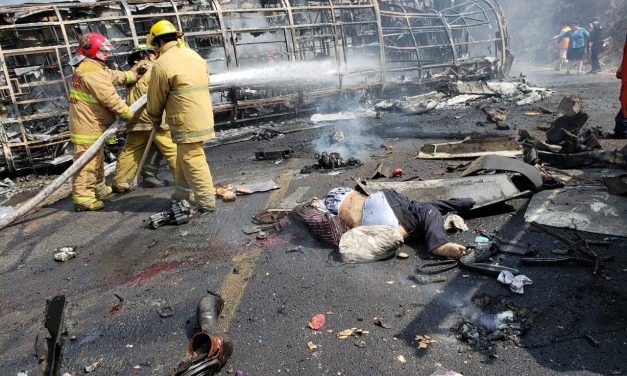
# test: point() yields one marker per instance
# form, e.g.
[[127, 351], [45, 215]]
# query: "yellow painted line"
[[274, 201], [234, 285]]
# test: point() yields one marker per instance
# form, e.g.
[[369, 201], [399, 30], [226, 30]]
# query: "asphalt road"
[[272, 289]]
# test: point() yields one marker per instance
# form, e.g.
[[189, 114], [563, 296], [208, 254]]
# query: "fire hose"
[[13, 214]]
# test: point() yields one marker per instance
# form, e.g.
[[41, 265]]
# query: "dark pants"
[[620, 130], [595, 51], [424, 219]]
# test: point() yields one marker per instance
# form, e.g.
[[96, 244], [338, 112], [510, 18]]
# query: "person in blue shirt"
[[578, 39]]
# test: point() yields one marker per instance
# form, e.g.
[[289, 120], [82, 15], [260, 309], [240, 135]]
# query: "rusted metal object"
[[407, 42]]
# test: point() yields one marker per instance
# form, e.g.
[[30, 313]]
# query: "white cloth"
[[516, 284], [370, 243], [377, 211]]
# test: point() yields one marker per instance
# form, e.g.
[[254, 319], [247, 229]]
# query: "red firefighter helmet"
[[90, 43]]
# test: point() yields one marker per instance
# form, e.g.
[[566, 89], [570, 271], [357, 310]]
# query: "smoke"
[[473, 314], [350, 139]]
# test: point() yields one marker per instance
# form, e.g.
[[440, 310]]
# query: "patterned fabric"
[[335, 197], [324, 226]]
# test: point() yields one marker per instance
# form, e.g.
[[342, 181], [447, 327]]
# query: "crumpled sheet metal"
[[499, 163], [584, 208], [482, 189]]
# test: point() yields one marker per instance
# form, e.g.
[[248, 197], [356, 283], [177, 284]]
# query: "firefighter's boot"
[[150, 177], [91, 205]]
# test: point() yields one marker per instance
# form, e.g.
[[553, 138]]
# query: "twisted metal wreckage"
[[411, 42]]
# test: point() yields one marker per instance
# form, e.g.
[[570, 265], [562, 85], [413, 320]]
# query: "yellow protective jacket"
[[94, 103], [179, 85], [134, 92]]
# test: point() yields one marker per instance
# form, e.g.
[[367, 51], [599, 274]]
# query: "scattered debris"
[[351, 332], [397, 172], [486, 320], [92, 367], [317, 321], [616, 185], [570, 120], [337, 136], [388, 149], [584, 208], [178, 214], [446, 373], [63, 254], [424, 341], [516, 284], [381, 324], [439, 171], [380, 172], [412, 105], [325, 118], [165, 312], [49, 340], [311, 345], [274, 155], [499, 163], [401, 359], [485, 190], [266, 134], [497, 115], [454, 223], [460, 93], [229, 192], [427, 280], [329, 161], [469, 148], [402, 255], [592, 340]]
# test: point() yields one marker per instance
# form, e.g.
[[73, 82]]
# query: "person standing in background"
[[578, 39], [595, 45], [620, 130], [563, 49]]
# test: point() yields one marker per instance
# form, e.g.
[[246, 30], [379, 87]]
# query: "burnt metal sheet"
[[49, 341], [616, 185], [470, 148], [584, 208], [483, 189], [388, 43], [498, 163]]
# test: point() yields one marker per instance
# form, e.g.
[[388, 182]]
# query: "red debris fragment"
[[115, 309], [397, 172], [317, 321]]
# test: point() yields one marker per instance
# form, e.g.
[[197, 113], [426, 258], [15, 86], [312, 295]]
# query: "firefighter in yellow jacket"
[[94, 105], [139, 133], [179, 83]]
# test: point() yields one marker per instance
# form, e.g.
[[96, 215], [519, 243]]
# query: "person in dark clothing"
[[595, 44], [620, 130], [344, 209]]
